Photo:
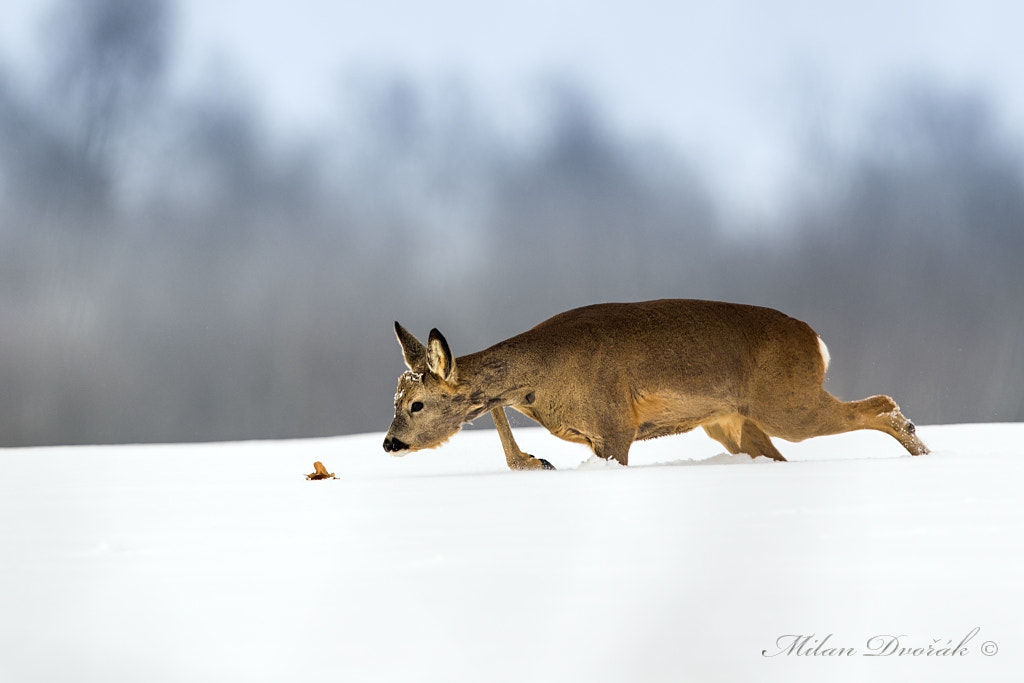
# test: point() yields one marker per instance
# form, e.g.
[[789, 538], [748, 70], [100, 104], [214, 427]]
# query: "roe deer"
[[610, 374]]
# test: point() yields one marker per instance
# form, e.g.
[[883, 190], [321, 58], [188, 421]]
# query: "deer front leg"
[[516, 459]]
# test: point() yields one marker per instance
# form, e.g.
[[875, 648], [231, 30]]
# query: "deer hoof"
[[531, 462]]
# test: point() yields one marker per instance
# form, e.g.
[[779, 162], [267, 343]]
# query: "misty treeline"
[[173, 269]]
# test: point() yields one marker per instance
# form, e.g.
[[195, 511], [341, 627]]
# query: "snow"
[[215, 562]]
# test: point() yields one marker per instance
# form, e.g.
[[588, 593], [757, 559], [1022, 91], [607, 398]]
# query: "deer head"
[[430, 403]]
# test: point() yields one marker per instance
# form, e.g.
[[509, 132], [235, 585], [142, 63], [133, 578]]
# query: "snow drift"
[[221, 562]]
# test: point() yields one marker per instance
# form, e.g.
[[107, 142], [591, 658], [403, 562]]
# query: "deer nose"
[[393, 445]]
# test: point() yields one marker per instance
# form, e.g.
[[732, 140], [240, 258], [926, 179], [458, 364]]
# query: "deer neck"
[[490, 382]]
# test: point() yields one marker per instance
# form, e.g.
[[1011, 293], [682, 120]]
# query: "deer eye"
[[416, 407]]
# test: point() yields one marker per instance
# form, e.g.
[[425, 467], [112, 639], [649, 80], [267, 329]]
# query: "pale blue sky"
[[725, 82]]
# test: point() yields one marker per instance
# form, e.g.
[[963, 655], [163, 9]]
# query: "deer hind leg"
[[751, 439], [717, 432], [754, 442], [514, 457], [882, 413], [832, 416]]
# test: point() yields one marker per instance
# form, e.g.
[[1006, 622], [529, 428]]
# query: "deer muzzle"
[[395, 445]]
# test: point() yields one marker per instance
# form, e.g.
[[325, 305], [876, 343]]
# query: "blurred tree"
[[106, 64], [248, 289]]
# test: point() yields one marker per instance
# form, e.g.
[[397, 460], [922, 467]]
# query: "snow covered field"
[[220, 562]]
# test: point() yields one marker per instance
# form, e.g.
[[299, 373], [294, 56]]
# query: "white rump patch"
[[825, 357]]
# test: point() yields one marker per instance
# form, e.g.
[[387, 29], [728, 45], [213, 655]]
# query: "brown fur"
[[610, 374]]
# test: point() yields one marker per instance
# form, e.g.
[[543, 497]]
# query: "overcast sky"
[[729, 83]]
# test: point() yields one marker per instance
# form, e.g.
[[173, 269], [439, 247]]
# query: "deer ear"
[[439, 357], [413, 351]]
